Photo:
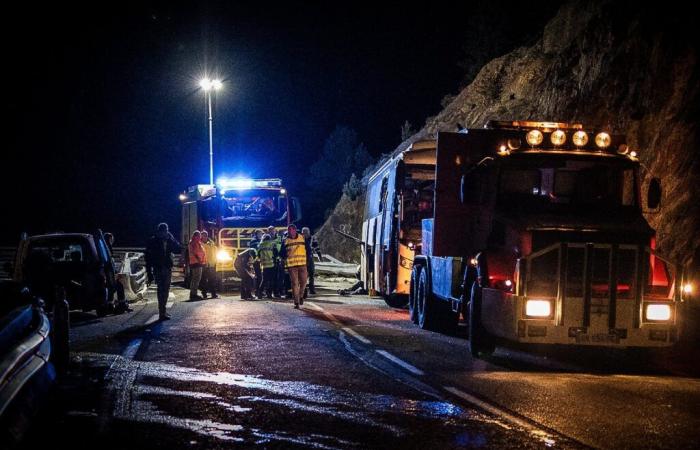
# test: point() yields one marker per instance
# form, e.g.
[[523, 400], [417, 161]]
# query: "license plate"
[[598, 338]]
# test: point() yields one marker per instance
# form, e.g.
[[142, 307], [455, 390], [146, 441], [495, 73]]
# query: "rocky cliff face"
[[606, 64]]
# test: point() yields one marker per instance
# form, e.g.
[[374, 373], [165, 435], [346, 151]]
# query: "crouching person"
[[244, 267]]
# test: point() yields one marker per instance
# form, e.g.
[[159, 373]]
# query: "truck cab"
[[534, 234]]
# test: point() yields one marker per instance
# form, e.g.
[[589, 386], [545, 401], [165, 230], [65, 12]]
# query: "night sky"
[[107, 125]]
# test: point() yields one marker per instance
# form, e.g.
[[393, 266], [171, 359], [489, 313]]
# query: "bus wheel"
[[425, 303], [480, 343], [396, 300], [413, 292]]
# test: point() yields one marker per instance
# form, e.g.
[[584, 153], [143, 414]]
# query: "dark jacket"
[[159, 251], [311, 248]]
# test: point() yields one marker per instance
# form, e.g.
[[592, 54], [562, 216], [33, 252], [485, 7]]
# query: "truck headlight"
[[658, 312], [538, 308], [223, 256]]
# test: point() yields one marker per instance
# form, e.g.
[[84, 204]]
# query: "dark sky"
[[106, 124]]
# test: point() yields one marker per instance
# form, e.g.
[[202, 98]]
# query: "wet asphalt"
[[347, 372]]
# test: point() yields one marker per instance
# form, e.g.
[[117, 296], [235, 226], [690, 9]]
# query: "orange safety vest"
[[296, 251]]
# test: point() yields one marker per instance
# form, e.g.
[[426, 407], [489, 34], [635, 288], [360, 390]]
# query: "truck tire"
[[428, 313], [412, 303], [396, 300], [480, 343]]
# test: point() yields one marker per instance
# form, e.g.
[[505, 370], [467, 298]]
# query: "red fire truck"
[[533, 231], [231, 211]]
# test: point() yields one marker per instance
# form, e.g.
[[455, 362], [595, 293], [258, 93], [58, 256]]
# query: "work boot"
[[312, 291], [296, 305], [164, 316]]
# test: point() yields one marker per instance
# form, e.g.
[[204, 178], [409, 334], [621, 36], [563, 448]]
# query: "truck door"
[[454, 221]]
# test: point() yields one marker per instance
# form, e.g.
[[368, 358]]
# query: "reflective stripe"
[[296, 251]]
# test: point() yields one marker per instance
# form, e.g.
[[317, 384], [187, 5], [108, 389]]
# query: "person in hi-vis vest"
[[294, 254]]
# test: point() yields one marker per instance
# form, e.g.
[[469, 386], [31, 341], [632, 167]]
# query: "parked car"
[[79, 262], [28, 341]]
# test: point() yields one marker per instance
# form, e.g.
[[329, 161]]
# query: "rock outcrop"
[[607, 64]]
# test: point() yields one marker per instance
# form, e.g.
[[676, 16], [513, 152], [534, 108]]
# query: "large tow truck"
[[532, 231], [231, 210]]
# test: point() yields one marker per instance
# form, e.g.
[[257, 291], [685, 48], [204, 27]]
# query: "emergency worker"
[[312, 248], [208, 283], [255, 243], [197, 260], [294, 254], [267, 254], [279, 267], [244, 266]]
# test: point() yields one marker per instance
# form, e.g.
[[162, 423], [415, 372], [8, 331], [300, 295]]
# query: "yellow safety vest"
[[296, 251], [266, 252]]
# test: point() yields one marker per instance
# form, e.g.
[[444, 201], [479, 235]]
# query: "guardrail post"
[[60, 332]]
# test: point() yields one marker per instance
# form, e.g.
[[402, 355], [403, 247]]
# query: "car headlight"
[[538, 308], [223, 256], [658, 312]]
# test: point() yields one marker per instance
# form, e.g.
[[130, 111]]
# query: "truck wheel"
[[425, 302], [413, 292], [480, 343], [396, 300]]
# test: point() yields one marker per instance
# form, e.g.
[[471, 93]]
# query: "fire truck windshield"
[[582, 183], [265, 205]]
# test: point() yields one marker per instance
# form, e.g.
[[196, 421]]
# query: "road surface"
[[346, 372]]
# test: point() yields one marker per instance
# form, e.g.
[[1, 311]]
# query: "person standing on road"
[[311, 249], [121, 304], [255, 243], [244, 266], [197, 262], [279, 267], [267, 252], [294, 254], [208, 283], [159, 264]]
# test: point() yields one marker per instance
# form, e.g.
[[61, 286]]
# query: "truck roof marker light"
[[580, 138], [474, 262], [534, 137], [602, 140], [182, 197], [283, 191], [633, 155], [503, 150], [687, 288], [558, 138]]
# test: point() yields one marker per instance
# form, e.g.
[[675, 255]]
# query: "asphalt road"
[[348, 372]]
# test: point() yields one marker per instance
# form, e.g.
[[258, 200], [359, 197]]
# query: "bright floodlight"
[[216, 84], [205, 83]]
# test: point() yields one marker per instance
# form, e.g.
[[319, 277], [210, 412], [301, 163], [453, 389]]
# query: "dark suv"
[[82, 263]]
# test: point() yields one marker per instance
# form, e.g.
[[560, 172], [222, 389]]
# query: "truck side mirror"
[[654, 193]]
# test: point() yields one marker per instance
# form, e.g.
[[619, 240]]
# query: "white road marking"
[[356, 335], [169, 304], [132, 348], [546, 437], [413, 369], [154, 318], [314, 306]]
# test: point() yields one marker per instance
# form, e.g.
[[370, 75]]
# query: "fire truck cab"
[[231, 210], [532, 231]]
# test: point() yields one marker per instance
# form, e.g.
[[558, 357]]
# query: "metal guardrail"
[[18, 366]]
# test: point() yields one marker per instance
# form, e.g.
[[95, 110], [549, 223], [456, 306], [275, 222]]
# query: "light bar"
[[247, 183]]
